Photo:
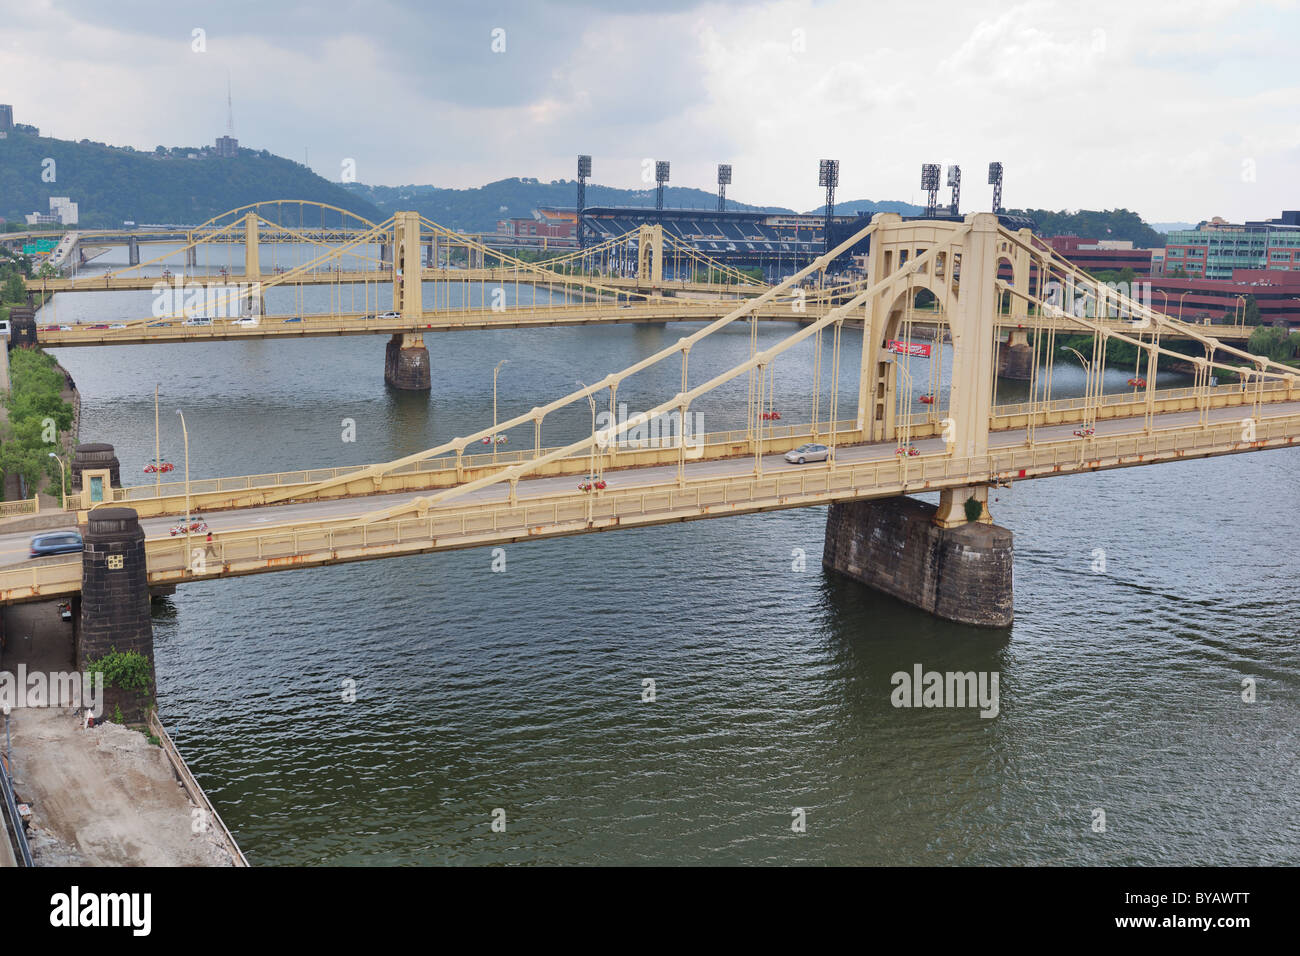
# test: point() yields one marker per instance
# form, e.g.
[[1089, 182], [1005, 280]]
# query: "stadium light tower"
[[584, 170], [995, 180], [828, 175], [724, 179], [954, 180], [930, 183], [661, 177]]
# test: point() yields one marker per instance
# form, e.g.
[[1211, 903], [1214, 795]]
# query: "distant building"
[[227, 146], [546, 224], [6, 117], [1276, 292], [41, 219], [1215, 248], [1103, 255], [64, 209]]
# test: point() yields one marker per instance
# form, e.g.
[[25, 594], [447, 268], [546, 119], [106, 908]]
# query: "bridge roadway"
[[170, 331], [285, 536], [119, 283]]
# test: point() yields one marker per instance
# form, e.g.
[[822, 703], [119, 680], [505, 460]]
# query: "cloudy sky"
[[1179, 110]]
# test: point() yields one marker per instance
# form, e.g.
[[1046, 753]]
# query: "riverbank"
[[105, 796]]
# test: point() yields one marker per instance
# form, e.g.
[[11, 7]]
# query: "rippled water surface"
[[522, 690]]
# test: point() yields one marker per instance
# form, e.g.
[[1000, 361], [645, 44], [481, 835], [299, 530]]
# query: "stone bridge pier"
[[406, 363], [933, 558], [114, 613], [1016, 356]]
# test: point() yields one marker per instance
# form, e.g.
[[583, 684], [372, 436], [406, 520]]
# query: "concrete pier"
[[961, 573], [1016, 356], [406, 363], [114, 613]]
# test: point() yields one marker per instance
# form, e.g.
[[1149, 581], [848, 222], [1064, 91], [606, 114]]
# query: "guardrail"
[[475, 523], [10, 808], [24, 506], [192, 788], [438, 472]]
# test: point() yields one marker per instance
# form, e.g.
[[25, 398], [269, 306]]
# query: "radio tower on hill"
[[227, 146]]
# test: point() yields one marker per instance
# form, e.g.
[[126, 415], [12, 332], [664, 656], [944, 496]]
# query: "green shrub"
[[125, 670], [974, 508]]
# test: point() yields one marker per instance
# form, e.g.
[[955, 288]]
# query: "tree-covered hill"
[[479, 208], [1095, 224], [112, 185]]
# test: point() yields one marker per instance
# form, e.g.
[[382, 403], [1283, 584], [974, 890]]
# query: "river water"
[[522, 691]]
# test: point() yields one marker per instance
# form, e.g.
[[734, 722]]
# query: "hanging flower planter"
[[926, 399], [1138, 382], [153, 469], [771, 416], [1084, 432]]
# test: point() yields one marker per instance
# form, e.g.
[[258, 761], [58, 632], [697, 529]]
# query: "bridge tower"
[[253, 264], [406, 359], [252, 250], [1016, 355], [650, 256], [935, 558]]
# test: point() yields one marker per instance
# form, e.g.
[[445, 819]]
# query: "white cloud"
[[1152, 106]]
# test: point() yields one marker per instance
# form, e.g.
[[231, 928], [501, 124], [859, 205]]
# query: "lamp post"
[[157, 459], [1180, 305], [63, 481], [591, 470], [1166, 295], [186, 433], [494, 407], [1087, 380], [1241, 312]]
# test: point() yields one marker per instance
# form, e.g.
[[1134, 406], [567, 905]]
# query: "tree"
[[15, 290], [1252, 311]]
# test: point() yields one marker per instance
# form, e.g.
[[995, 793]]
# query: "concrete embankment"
[[102, 796], [105, 796]]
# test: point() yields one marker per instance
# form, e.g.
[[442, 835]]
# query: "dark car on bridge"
[[56, 542]]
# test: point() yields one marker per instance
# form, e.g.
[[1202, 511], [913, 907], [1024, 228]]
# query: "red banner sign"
[[910, 348]]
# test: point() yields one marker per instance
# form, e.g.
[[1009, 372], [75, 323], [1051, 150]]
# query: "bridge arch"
[[263, 209]]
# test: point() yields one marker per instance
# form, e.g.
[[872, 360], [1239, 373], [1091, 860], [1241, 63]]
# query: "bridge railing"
[[846, 431], [470, 524], [482, 459], [53, 579], [1274, 389], [23, 506]]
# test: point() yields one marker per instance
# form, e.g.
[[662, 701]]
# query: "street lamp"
[[1180, 305], [1087, 380], [591, 471], [1241, 313], [186, 433], [157, 461], [1166, 295], [63, 480], [494, 407]]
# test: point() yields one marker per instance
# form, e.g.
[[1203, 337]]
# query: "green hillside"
[[112, 185], [478, 209], [853, 207], [1095, 224]]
